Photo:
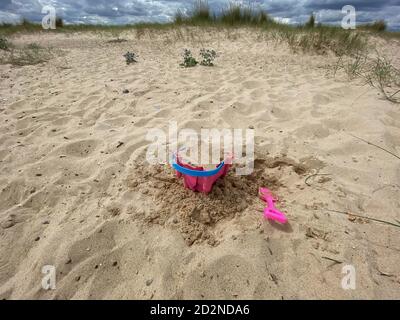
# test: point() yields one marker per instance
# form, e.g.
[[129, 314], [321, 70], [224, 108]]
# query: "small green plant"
[[208, 57], [188, 60], [4, 44], [354, 67], [130, 57]]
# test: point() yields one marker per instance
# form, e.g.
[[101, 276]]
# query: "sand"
[[77, 193]]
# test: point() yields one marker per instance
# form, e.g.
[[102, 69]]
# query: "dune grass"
[[309, 37], [376, 26], [324, 39], [30, 54], [311, 21], [232, 15], [376, 71]]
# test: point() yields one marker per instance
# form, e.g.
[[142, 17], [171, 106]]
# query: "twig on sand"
[[385, 274], [359, 97], [384, 187], [392, 95], [119, 144], [364, 217], [331, 259], [315, 175], [372, 144]]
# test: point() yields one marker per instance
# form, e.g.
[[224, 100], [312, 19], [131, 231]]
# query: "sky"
[[132, 11]]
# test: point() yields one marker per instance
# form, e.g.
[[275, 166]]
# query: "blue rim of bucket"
[[196, 173]]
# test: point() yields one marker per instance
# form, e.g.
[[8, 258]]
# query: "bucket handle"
[[196, 173]]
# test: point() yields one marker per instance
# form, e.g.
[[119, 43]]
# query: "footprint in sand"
[[62, 121], [281, 114], [257, 93], [82, 148], [312, 131], [227, 277], [252, 84], [18, 105], [321, 99]]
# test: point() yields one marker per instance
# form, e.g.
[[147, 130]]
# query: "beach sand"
[[77, 193]]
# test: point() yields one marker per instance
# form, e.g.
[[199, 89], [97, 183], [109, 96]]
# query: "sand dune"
[[77, 193]]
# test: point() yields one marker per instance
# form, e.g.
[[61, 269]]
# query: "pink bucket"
[[198, 179]]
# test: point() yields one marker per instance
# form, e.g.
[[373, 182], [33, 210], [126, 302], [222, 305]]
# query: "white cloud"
[[283, 20]]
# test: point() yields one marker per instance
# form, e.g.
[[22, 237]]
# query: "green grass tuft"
[[30, 54], [376, 26], [311, 21], [377, 71]]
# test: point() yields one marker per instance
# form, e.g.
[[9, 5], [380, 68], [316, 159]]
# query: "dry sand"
[[74, 197]]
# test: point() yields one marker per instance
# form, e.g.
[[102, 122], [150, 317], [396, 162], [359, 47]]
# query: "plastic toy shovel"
[[271, 212]]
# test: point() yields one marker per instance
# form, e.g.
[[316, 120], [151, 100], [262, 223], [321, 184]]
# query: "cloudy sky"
[[131, 11]]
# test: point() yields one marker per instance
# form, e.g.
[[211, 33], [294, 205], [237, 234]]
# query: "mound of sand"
[[195, 214]]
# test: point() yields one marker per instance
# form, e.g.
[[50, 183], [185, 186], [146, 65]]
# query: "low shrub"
[[188, 60], [208, 57], [130, 57], [4, 44]]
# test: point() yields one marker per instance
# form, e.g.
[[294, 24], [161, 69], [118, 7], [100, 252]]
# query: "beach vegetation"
[[376, 71], [309, 37], [30, 54], [4, 44], [188, 59], [311, 21], [130, 57], [208, 56]]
